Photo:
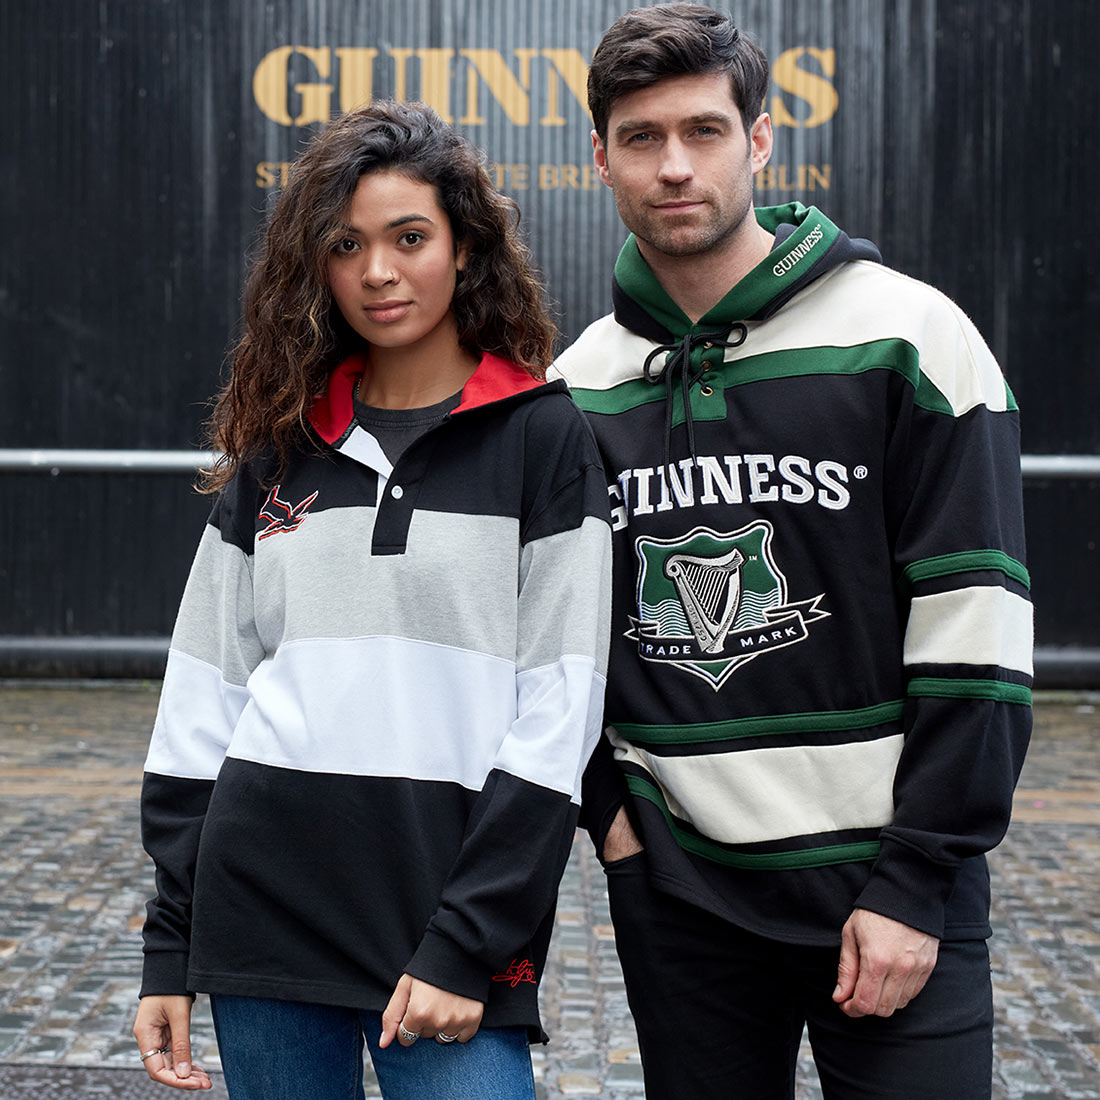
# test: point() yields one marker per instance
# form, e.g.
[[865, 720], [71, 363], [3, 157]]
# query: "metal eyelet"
[[706, 391]]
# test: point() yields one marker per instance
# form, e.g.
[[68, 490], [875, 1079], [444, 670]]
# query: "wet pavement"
[[73, 882]]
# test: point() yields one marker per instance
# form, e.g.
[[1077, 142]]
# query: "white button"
[[397, 492]]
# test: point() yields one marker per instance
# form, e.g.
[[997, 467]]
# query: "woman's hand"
[[423, 1009], [163, 1026]]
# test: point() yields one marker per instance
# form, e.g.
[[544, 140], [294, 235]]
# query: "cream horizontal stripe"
[[770, 794], [983, 625], [195, 719], [872, 302], [604, 355]]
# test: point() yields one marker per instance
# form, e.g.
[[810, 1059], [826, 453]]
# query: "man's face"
[[681, 165]]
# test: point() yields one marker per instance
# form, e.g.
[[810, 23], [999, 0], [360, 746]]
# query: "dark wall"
[[141, 151]]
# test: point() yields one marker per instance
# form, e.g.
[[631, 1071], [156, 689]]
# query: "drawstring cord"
[[679, 361]]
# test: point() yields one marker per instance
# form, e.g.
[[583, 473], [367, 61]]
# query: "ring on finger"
[[443, 1037], [408, 1036], [159, 1050]]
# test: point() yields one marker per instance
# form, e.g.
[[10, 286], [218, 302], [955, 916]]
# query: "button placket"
[[709, 365]]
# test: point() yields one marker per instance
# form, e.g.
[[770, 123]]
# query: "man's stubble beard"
[[710, 237]]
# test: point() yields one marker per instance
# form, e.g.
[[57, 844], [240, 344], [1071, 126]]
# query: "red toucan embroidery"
[[283, 515]]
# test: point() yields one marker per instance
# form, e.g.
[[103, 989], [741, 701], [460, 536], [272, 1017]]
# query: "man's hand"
[[883, 964], [163, 1032], [621, 840], [424, 1009]]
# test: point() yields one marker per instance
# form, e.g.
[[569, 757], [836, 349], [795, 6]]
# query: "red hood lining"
[[493, 380]]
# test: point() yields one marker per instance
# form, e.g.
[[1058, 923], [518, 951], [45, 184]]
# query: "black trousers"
[[720, 1011]]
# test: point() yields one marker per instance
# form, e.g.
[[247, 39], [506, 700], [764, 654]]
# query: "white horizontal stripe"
[[394, 707], [378, 706], [971, 626], [195, 719], [560, 709], [770, 794]]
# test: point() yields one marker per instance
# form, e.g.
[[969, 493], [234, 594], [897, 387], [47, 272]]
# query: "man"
[[819, 694]]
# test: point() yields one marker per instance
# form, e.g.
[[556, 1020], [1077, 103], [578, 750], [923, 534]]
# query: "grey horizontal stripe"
[[455, 585], [565, 596], [215, 621]]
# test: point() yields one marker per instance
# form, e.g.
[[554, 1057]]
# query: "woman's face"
[[393, 272]]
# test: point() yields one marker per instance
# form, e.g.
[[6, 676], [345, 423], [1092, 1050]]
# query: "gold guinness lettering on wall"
[[435, 69], [342, 77]]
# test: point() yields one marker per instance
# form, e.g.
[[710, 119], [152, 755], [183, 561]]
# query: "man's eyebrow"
[[630, 125]]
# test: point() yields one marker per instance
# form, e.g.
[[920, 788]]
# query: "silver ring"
[[443, 1037], [408, 1036], [159, 1050]]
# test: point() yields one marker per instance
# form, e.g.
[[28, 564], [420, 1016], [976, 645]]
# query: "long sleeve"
[[214, 648], [503, 884], [956, 517], [603, 792]]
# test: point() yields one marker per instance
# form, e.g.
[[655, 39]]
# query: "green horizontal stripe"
[[764, 861], [898, 356], [766, 726], [968, 561], [996, 690], [619, 399]]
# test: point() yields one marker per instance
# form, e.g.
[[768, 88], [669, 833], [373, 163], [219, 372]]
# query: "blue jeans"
[[285, 1050]]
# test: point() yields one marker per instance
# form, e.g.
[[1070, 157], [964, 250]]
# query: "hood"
[[494, 379], [807, 245]]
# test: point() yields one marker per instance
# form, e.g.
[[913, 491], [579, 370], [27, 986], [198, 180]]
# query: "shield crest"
[[710, 601]]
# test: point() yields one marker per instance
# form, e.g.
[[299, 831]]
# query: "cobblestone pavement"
[[73, 881]]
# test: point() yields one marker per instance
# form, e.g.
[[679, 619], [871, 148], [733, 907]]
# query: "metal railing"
[[1071, 667], [56, 461]]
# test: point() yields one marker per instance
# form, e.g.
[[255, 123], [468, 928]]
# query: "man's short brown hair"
[[646, 45]]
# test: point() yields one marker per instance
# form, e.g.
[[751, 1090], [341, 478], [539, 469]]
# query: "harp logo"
[[710, 602]]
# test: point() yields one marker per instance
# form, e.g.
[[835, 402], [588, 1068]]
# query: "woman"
[[390, 651]]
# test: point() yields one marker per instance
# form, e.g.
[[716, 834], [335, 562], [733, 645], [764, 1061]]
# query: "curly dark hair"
[[646, 45], [294, 334]]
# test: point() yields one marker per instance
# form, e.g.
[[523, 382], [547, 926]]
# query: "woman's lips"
[[387, 312]]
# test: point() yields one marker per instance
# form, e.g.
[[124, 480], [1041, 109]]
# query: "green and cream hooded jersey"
[[819, 689]]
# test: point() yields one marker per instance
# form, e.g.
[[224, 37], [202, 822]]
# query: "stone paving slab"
[[73, 882]]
